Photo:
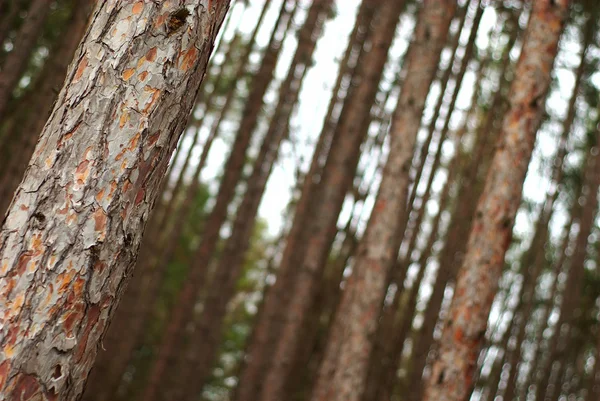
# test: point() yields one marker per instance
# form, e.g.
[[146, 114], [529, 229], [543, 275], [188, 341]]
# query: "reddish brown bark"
[[258, 355], [365, 289], [459, 227], [533, 263], [492, 229], [72, 232]]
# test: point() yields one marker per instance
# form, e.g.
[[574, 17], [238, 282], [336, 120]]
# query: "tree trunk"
[[210, 236], [259, 353], [492, 229], [15, 62], [74, 227], [377, 251], [197, 360], [534, 263], [136, 306]]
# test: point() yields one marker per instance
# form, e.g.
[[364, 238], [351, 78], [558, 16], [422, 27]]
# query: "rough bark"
[[137, 302], [41, 100], [378, 249], [232, 174], [72, 232], [258, 355], [492, 229], [15, 61]]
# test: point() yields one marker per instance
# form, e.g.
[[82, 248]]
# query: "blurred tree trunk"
[[336, 180], [459, 226], [492, 229], [377, 252], [196, 361], [25, 131], [260, 349], [228, 183], [77, 218], [569, 308], [16, 60], [534, 261]]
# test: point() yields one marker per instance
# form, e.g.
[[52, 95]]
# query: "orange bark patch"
[[100, 220], [134, 142], [93, 314], [128, 73], [4, 366], [189, 58], [142, 76], [137, 8], [124, 119], [80, 69], [82, 172], [154, 98], [100, 195]]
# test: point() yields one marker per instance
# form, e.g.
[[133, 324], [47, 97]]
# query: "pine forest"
[[299, 200]]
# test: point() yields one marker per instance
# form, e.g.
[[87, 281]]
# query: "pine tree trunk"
[[259, 353], [365, 289], [74, 227], [534, 263], [197, 360], [492, 229], [569, 311], [15, 62], [336, 180], [232, 174]]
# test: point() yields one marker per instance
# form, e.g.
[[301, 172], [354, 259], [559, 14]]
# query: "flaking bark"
[[73, 229]]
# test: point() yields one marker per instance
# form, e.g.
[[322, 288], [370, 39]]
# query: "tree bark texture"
[[366, 287], [73, 229], [492, 229]]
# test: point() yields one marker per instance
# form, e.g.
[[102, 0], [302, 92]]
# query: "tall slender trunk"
[[492, 229], [197, 360], [210, 236], [569, 308], [75, 224], [382, 379], [459, 227], [336, 180], [534, 263], [365, 289], [276, 299], [15, 61]]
